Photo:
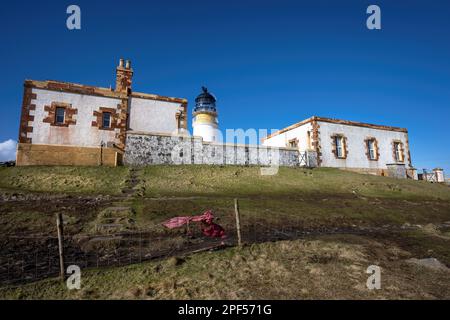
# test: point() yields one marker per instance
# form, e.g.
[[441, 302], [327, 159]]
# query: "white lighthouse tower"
[[204, 117]]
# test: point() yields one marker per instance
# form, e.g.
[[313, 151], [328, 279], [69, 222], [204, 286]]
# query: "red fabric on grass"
[[209, 229]]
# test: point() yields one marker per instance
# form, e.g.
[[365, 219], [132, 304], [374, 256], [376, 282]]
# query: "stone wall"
[[393, 170], [151, 149], [396, 170], [375, 172]]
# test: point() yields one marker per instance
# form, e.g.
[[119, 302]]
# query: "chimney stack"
[[124, 75]]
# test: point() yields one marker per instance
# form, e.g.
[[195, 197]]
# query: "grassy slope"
[[97, 180], [311, 197], [330, 267], [217, 181], [302, 212], [292, 269], [248, 181]]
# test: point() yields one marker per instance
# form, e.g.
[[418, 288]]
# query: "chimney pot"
[[124, 75]]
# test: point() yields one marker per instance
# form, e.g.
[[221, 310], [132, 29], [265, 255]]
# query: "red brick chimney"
[[124, 75]]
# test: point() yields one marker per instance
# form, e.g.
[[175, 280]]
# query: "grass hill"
[[395, 220], [216, 181]]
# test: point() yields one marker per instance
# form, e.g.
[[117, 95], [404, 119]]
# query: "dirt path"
[[133, 180], [120, 215]]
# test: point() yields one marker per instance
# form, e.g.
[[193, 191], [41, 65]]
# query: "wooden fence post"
[[59, 227], [238, 222]]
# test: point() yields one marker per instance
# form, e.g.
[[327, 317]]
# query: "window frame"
[[63, 122], [109, 122], [398, 151], [52, 117], [98, 123], [339, 147], [372, 149], [309, 140], [375, 154], [293, 143]]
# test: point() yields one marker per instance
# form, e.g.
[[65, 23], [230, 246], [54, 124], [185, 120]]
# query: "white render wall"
[[82, 134], [282, 140], [153, 116], [356, 135]]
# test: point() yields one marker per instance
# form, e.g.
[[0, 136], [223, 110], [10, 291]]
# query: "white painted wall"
[[356, 157], [440, 177], [81, 134], [153, 116], [282, 140], [356, 135]]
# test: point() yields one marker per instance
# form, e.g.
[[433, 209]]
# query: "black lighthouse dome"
[[205, 102]]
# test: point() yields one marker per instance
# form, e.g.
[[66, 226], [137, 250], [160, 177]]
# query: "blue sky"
[[270, 63]]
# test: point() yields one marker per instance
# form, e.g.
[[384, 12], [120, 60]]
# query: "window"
[[59, 115], [106, 120], [398, 151], [309, 142], [371, 148], [339, 144], [293, 143]]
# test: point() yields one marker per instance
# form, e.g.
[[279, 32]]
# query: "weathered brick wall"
[[147, 149]]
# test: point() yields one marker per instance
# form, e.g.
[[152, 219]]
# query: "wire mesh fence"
[[33, 257], [30, 258]]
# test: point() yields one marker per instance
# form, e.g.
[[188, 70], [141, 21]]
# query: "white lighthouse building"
[[204, 117]]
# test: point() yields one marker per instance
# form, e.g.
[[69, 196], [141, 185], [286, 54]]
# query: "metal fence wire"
[[28, 258], [33, 257]]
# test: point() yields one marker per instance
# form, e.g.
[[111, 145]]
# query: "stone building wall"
[[83, 130], [356, 146], [152, 149], [79, 134], [318, 133]]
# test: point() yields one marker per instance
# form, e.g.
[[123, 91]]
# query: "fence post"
[[140, 246], [238, 222], [35, 264], [59, 227]]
